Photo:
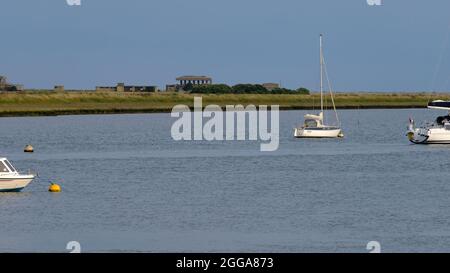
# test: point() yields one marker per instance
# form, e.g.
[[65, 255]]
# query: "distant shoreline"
[[96, 103], [155, 111]]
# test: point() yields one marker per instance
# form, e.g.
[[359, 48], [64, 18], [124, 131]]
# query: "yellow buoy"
[[28, 149], [54, 188], [410, 135]]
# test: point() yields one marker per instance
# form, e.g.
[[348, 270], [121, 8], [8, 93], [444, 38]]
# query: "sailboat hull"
[[326, 132], [429, 135]]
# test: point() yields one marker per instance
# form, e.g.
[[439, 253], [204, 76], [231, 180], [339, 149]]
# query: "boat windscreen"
[[10, 166], [310, 123], [443, 120], [3, 168]]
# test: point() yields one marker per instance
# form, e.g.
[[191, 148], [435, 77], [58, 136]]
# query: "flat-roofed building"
[[59, 88], [171, 87], [105, 88], [140, 88], [194, 80], [121, 87]]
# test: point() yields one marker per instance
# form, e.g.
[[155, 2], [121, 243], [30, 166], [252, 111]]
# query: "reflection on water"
[[127, 186]]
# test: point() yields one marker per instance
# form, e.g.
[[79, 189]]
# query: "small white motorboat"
[[314, 125], [10, 179], [437, 132]]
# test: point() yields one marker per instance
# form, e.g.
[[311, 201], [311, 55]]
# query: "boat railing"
[[430, 125]]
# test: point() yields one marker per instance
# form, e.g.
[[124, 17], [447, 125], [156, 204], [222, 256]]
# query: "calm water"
[[127, 186]]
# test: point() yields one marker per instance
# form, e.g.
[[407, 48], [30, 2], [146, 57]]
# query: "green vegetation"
[[249, 89], [242, 89], [188, 87], [303, 90], [52, 103], [212, 89]]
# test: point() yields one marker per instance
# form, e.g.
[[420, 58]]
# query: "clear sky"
[[394, 47]]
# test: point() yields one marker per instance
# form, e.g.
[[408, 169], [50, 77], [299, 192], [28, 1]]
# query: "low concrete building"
[[59, 88], [121, 87], [18, 87], [172, 87], [105, 89], [137, 88]]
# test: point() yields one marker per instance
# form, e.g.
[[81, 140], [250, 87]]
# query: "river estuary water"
[[128, 187]]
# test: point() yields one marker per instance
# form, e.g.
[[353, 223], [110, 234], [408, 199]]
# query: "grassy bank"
[[51, 103]]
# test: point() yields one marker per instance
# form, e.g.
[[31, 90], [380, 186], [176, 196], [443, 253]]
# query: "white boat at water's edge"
[[314, 125], [437, 132], [314, 128], [10, 179]]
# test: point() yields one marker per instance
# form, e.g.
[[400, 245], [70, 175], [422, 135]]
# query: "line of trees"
[[242, 89]]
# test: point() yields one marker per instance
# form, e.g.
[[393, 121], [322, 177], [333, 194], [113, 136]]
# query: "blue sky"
[[394, 47]]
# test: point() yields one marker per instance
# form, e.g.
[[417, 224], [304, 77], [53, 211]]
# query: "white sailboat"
[[314, 126], [438, 131]]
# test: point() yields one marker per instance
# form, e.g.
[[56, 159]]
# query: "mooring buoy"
[[54, 188], [28, 149]]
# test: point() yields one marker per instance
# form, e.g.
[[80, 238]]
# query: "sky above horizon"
[[402, 45]]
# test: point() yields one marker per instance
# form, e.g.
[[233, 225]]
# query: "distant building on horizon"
[[5, 86], [121, 87], [184, 81], [194, 80]]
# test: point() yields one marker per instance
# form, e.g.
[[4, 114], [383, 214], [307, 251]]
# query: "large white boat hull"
[[439, 135], [317, 132], [14, 183], [430, 136]]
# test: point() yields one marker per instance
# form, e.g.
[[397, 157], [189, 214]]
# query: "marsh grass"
[[52, 103]]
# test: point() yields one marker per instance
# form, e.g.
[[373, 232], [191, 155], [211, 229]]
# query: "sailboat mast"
[[321, 75]]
